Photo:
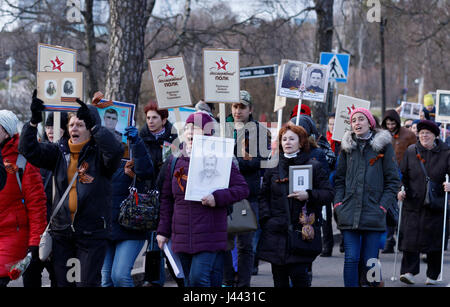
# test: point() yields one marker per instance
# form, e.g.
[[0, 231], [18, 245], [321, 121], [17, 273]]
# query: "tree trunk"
[[324, 41], [91, 48], [128, 21]]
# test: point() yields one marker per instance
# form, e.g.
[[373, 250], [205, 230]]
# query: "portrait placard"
[[116, 118], [345, 106], [290, 79], [315, 79], [56, 59], [443, 106], [411, 110], [300, 178], [170, 82], [59, 90], [209, 167], [280, 102], [221, 78]]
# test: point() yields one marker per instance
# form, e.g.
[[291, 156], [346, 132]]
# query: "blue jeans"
[[119, 261], [204, 269], [359, 245]]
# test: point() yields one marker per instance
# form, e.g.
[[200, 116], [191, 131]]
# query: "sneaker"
[[431, 281], [407, 278]]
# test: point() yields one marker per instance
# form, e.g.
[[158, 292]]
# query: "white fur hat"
[[9, 121]]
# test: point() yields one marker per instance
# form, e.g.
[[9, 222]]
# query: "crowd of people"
[[357, 181]]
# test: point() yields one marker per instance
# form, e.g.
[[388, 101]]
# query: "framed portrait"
[[345, 106], [209, 167], [221, 78], [116, 118], [60, 90], [170, 82], [290, 79], [316, 82], [443, 106], [280, 102], [56, 59], [410, 110], [300, 178]]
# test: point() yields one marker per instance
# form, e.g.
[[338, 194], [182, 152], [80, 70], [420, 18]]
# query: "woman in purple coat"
[[198, 229]]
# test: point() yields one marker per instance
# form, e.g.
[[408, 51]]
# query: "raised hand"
[[132, 133], [36, 107], [84, 114]]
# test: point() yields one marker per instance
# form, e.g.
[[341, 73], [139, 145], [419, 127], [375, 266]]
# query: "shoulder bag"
[[434, 196], [242, 219], [46, 242]]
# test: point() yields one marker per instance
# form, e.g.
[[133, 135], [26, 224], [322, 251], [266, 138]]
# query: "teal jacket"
[[367, 182]]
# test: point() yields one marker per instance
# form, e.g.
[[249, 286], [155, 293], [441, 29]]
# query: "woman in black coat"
[[421, 227], [273, 245]]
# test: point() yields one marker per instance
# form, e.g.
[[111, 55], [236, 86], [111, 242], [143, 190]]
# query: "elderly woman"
[[80, 228], [366, 184], [198, 229], [287, 264], [422, 226]]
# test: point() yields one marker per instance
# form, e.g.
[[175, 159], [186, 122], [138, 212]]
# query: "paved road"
[[327, 272]]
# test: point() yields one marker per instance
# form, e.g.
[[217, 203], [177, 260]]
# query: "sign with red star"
[[56, 59], [57, 63], [221, 64], [168, 70]]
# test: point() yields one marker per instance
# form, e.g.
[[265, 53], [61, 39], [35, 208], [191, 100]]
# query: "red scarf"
[[331, 141]]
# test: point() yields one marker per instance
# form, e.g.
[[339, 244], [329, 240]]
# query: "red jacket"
[[21, 224]]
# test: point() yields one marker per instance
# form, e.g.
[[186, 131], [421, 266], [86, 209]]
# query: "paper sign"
[[442, 106], [411, 110], [221, 75], [345, 106], [56, 59], [170, 82], [59, 90]]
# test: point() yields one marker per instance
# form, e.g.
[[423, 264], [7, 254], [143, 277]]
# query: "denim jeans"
[[204, 269], [359, 245], [119, 261]]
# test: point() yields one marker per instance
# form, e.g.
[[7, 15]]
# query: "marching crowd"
[[358, 181]]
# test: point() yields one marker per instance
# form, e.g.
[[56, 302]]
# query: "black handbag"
[[435, 195], [242, 219], [140, 211]]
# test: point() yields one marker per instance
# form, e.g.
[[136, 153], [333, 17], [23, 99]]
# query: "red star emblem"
[[168, 70], [351, 109], [221, 64], [57, 64]]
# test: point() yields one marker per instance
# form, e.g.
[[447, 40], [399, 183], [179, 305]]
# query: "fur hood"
[[378, 141]]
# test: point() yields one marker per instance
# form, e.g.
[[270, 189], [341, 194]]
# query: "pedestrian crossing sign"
[[339, 64]]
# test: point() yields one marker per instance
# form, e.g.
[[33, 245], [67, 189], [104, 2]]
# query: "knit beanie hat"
[[9, 120], [428, 100], [201, 119], [366, 113]]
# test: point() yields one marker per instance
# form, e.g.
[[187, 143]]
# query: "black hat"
[[63, 123], [428, 125]]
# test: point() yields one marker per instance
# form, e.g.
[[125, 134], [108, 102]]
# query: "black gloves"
[[34, 252], [37, 107], [84, 114]]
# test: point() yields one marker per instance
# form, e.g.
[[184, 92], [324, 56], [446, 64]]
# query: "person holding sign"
[[80, 228], [366, 184], [289, 265], [198, 229]]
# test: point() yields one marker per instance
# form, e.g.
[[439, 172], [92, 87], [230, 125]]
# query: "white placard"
[[221, 75], [442, 106], [170, 82], [345, 106], [411, 110], [56, 59], [209, 167], [302, 80]]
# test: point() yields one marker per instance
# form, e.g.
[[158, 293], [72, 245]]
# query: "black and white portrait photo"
[[292, 76], [444, 104], [314, 83], [68, 87], [50, 88], [300, 178], [210, 166]]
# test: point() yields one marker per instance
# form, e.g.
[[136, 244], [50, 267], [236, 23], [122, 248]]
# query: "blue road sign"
[[339, 64]]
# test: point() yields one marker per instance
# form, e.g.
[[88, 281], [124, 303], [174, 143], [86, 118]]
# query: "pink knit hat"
[[367, 113]]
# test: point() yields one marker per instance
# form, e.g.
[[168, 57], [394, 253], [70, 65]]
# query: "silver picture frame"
[[300, 178]]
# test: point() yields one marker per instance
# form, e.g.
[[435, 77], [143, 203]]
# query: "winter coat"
[[272, 245], [402, 138], [421, 228], [22, 214], [102, 155], [121, 182], [154, 147], [258, 150], [193, 227], [366, 182]]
